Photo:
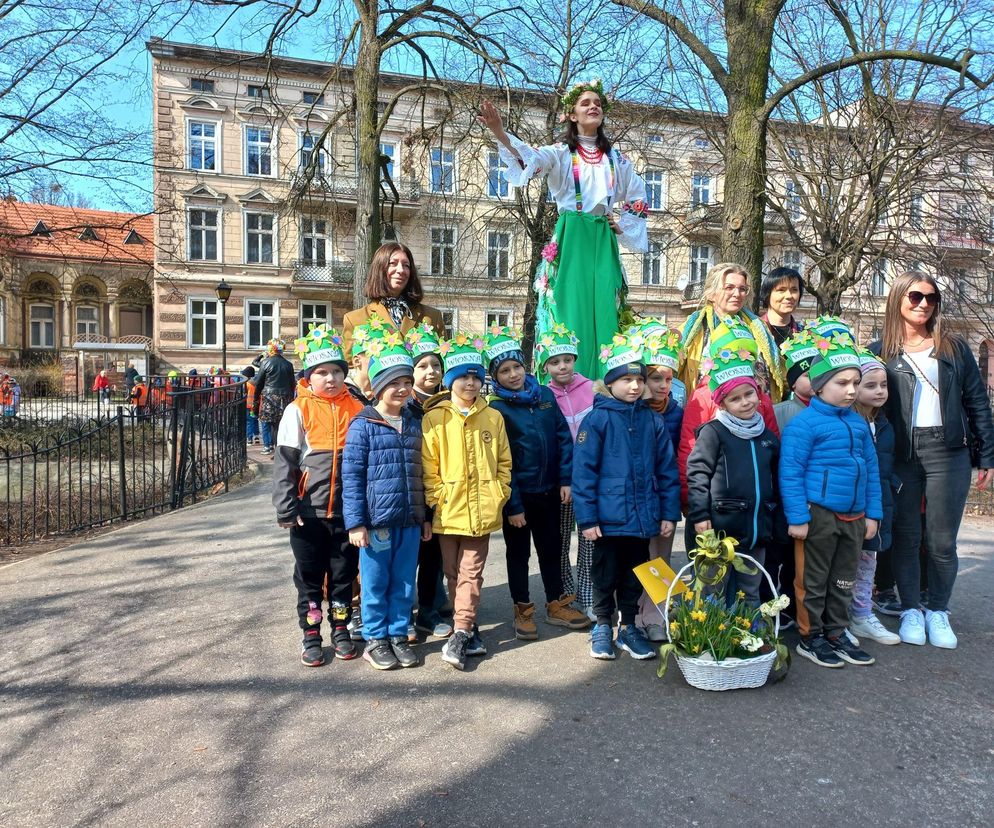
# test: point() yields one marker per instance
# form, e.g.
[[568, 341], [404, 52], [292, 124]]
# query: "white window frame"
[[455, 321], [795, 259], [265, 93], [245, 239], [792, 199], [201, 80], [305, 320], [657, 262], [322, 165], [696, 261], [496, 172], [655, 179], [700, 189], [316, 261], [508, 312], [492, 250], [218, 131], [271, 147], [204, 316], [248, 318], [394, 157], [449, 245], [441, 165], [44, 323], [95, 321], [217, 230], [879, 278], [916, 211], [318, 98]]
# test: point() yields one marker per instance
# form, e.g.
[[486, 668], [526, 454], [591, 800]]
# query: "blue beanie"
[[464, 370], [516, 356], [624, 371]]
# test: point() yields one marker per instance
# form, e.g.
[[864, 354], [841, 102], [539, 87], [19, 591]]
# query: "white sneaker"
[[913, 627], [940, 634], [852, 638], [871, 628], [654, 632]]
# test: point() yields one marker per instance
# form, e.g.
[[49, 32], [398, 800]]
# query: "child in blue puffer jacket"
[[384, 503], [830, 489]]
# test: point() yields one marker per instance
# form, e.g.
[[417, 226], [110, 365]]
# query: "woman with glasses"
[[942, 422]]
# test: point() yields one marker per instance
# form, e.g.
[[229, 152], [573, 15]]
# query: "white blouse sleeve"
[[526, 162], [634, 207]]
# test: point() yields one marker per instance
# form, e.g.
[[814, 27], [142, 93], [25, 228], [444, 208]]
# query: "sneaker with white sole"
[[817, 649], [871, 628], [849, 652], [602, 642], [852, 638], [912, 627], [940, 634], [633, 641], [886, 602]]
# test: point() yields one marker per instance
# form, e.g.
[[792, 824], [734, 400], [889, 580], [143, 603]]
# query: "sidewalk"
[[151, 677]]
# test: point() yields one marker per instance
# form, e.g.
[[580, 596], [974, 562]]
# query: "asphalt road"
[[151, 677]]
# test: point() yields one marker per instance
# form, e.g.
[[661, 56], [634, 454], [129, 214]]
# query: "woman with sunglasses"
[[942, 421]]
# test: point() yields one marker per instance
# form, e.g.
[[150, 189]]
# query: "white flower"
[[751, 643], [771, 608]]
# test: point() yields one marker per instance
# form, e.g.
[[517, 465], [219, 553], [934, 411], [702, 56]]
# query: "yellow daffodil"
[[698, 615]]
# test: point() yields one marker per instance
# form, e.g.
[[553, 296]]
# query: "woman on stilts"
[[580, 282]]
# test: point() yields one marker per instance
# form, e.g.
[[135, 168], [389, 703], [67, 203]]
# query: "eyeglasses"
[[916, 297]]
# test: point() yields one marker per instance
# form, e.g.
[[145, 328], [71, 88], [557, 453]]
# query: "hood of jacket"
[[444, 399], [579, 387]]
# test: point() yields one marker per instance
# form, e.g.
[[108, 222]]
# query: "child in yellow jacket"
[[467, 474]]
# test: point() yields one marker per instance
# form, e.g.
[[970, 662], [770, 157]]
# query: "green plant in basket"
[[706, 626]]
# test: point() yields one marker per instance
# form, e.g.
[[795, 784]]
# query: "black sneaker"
[[476, 647], [818, 650], [886, 602], [380, 654], [355, 624], [847, 651], [344, 646], [405, 656], [454, 650], [312, 653]]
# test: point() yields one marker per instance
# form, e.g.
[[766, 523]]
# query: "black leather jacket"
[[966, 410], [275, 378]]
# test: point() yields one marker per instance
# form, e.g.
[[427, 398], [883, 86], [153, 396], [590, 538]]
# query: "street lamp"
[[223, 291]]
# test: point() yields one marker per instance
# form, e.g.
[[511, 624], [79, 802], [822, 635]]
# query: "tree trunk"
[[367, 84]]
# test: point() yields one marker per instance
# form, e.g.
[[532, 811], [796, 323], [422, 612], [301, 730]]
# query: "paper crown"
[[557, 341], [422, 340], [322, 344], [275, 346], [388, 352], [835, 352], [618, 352], [462, 349], [799, 350], [732, 332], [500, 341], [650, 326], [736, 358], [663, 349], [363, 334], [826, 325]]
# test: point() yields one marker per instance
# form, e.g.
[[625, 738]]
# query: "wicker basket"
[[732, 674]]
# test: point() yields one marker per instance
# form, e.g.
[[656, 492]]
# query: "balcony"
[[691, 294], [323, 274], [344, 187]]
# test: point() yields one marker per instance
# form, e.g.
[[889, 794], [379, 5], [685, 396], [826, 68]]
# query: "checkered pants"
[[584, 556]]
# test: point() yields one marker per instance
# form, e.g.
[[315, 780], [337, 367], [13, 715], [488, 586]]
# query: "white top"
[[926, 406], [596, 192]]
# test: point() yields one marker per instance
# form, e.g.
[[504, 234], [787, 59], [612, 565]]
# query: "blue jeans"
[[386, 573], [267, 433], [942, 476], [251, 427]]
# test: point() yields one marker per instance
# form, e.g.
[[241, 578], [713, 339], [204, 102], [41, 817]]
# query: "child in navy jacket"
[[625, 491]]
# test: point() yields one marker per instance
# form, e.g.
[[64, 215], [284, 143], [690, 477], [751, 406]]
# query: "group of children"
[[391, 465]]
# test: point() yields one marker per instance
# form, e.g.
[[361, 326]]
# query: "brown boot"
[[524, 625], [561, 614]]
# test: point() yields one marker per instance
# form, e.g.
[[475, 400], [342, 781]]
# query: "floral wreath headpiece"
[[570, 98]]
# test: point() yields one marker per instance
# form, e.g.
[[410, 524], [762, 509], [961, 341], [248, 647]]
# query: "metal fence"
[[68, 467]]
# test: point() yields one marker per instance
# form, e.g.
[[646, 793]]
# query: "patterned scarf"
[[398, 309], [528, 395]]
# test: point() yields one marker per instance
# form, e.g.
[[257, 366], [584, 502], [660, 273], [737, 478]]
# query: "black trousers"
[[321, 550], [429, 567], [611, 572], [542, 523]]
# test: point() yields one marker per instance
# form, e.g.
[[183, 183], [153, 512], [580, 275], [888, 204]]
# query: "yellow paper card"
[[656, 576]]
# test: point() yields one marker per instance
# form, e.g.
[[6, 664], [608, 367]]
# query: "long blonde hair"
[[893, 338], [715, 281]]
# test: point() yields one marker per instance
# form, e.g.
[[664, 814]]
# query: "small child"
[[870, 399], [307, 492], [556, 353], [383, 497], [625, 491], [731, 473], [424, 345], [251, 418], [830, 487], [541, 470], [467, 474]]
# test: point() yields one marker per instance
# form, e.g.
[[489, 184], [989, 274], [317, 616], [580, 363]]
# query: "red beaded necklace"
[[590, 156]]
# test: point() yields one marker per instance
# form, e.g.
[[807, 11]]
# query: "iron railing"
[[68, 475], [326, 273]]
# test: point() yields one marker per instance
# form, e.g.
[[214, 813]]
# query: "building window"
[[700, 189], [87, 322], [309, 145], [793, 200], [443, 171], [878, 278], [961, 220], [500, 318], [443, 251], [389, 151], [700, 262], [260, 323], [792, 259], [702, 143], [655, 189], [201, 85], [202, 141], [258, 151], [313, 241], [203, 323], [497, 185], [655, 138], [259, 238], [498, 254], [313, 98], [203, 236], [42, 326], [654, 264], [916, 211], [258, 91], [313, 313], [450, 322]]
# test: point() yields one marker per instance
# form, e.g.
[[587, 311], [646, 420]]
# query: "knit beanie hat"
[[663, 349], [389, 358], [422, 341], [621, 358], [462, 356], [500, 345], [836, 352], [869, 361], [275, 346], [556, 342], [798, 351], [375, 328], [322, 344]]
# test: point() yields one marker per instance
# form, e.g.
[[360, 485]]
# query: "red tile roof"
[[18, 219]]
